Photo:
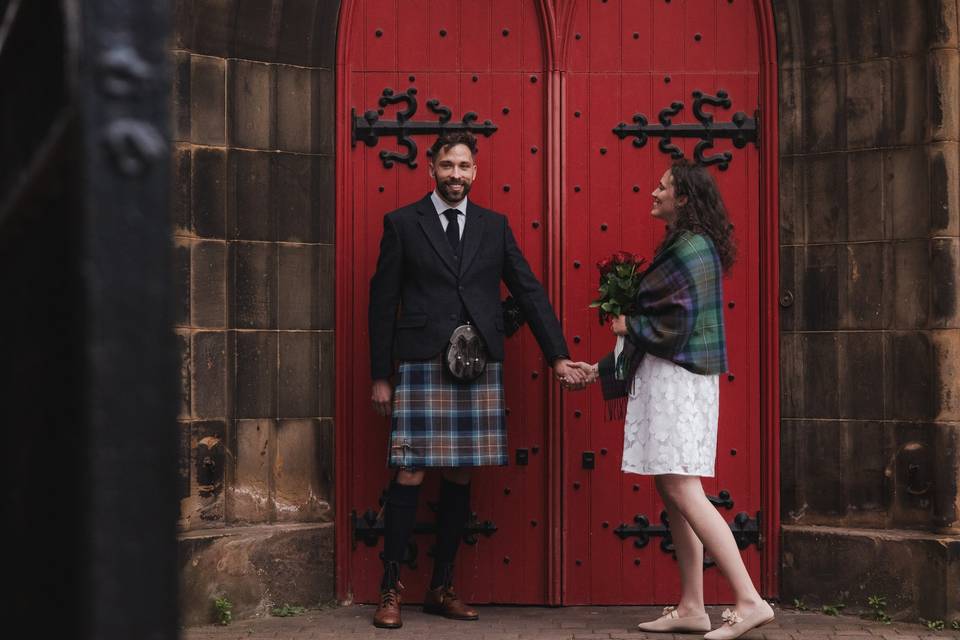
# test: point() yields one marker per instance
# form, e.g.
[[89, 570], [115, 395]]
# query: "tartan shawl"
[[679, 316]]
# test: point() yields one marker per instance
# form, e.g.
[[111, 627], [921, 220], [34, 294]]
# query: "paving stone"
[[543, 623]]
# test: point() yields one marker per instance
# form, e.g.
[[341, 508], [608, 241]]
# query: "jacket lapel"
[[430, 223], [472, 235]]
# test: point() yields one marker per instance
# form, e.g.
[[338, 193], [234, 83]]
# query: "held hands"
[[574, 375], [381, 395]]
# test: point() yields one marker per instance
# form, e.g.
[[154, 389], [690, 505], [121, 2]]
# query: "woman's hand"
[[619, 325], [591, 370]]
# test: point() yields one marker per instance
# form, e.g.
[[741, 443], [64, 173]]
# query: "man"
[[440, 265]]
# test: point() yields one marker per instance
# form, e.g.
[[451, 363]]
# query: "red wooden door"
[[485, 57], [555, 77], [623, 58]]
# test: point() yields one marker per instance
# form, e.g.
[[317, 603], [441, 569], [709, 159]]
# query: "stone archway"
[[241, 68]]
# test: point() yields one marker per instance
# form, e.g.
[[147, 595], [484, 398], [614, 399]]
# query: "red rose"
[[605, 266], [622, 257]]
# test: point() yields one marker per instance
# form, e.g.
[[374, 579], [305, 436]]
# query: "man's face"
[[453, 170]]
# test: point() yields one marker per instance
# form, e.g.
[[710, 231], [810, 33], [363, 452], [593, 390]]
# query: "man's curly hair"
[[704, 211], [447, 140]]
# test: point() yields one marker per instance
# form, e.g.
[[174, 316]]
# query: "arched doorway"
[[555, 79]]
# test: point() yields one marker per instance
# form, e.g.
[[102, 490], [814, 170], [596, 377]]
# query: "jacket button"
[[460, 288]]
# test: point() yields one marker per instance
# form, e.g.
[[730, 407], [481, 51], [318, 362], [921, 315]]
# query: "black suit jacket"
[[418, 287]]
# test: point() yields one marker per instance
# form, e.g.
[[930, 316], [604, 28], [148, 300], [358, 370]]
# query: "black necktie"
[[453, 229]]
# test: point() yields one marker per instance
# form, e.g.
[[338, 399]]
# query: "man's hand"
[[570, 377], [619, 325], [381, 395], [592, 370]]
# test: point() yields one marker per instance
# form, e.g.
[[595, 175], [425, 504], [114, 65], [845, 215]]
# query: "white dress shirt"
[[442, 206]]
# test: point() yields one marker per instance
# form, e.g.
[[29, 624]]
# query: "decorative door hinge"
[[741, 129], [369, 128], [368, 527], [746, 530]]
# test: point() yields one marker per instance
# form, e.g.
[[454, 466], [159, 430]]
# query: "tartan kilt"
[[438, 422]]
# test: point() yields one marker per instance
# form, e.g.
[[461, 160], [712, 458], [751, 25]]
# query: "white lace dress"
[[671, 424]]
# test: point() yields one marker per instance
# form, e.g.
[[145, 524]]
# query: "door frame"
[[555, 24]]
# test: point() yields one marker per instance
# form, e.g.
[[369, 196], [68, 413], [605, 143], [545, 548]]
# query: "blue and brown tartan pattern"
[[441, 423], [680, 306]]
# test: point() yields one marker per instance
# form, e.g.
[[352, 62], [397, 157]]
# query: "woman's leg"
[[687, 495], [689, 552]]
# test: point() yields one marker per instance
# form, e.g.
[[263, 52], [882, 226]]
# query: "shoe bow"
[[730, 617]]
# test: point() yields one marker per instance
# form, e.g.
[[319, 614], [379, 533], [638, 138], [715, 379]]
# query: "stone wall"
[[253, 110], [870, 325]]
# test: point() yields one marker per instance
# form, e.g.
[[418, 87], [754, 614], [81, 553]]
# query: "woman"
[[669, 374]]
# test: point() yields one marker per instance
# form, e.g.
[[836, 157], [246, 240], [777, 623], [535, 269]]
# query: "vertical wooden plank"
[[668, 44], [480, 36], [602, 194], [576, 285], [754, 313], [506, 50], [379, 34], [604, 41], [412, 33], [636, 35], [699, 36], [631, 230], [532, 174], [533, 44], [373, 204], [736, 36], [578, 38], [444, 36]]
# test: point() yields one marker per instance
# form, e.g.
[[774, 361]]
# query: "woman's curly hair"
[[704, 211]]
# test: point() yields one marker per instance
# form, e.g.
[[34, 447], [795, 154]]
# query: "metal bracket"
[[746, 531], [741, 129], [723, 500], [368, 527], [369, 128]]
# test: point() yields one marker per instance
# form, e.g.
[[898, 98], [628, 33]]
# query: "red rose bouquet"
[[619, 281]]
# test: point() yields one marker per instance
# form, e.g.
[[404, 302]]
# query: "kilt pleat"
[[438, 422]]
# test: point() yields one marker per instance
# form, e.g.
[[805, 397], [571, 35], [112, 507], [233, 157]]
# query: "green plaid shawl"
[[679, 314]]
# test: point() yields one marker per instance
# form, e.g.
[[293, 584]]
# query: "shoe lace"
[[391, 597], [450, 594]]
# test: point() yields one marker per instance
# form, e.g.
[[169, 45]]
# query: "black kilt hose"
[[438, 422], [419, 294]]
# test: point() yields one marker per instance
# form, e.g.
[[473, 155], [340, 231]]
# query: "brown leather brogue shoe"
[[388, 612], [443, 601]]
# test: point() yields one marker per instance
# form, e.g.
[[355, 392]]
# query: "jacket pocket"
[[411, 320]]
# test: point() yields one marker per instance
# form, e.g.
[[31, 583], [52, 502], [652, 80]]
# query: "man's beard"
[[453, 198]]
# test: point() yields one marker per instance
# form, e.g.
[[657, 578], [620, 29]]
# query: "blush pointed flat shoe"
[[734, 625], [672, 622]]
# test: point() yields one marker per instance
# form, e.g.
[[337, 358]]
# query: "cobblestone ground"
[[543, 623]]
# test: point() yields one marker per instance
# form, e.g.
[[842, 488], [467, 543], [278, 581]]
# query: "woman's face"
[[664, 199]]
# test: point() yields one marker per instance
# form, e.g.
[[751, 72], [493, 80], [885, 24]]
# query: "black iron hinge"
[[369, 128], [741, 129], [746, 531]]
